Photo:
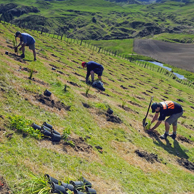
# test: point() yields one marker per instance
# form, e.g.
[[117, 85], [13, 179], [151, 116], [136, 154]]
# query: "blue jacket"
[[27, 39]]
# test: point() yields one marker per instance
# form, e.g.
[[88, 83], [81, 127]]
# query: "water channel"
[[168, 68]]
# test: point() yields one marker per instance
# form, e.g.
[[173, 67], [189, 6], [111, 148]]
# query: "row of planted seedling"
[[48, 131], [74, 187]]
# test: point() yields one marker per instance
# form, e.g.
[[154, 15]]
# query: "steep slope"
[[130, 161]]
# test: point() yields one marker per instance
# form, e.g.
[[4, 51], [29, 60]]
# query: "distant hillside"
[[100, 19]]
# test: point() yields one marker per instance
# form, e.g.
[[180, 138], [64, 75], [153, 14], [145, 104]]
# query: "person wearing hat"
[[26, 40], [93, 67], [166, 108]]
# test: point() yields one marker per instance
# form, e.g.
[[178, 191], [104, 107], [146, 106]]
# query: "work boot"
[[22, 56], [164, 136], [173, 136]]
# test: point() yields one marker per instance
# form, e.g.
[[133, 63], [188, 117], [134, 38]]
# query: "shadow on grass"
[[176, 150], [28, 60]]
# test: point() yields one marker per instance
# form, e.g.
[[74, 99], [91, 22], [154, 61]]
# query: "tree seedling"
[[31, 73], [87, 90], [123, 103]]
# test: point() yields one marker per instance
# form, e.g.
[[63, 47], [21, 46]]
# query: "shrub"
[[24, 126]]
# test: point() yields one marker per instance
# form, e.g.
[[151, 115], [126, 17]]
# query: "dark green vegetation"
[[118, 167], [92, 19]]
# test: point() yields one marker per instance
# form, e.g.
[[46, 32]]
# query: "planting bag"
[[98, 85]]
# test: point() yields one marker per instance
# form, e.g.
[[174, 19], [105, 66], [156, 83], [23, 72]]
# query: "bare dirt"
[[4, 189], [38, 81], [149, 157], [16, 57], [89, 95], [175, 54], [185, 163], [51, 103], [86, 105], [153, 134], [128, 109], [135, 104], [78, 144], [184, 139], [113, 118], [73, 83]]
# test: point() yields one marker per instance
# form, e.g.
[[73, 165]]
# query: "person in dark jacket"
[[93, 67], [26, 40], [166, 108]]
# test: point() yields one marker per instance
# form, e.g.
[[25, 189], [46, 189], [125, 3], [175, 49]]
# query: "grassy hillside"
[[117, 168], [101, 20]]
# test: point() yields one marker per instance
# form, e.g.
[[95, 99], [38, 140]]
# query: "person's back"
[[27, 39], [169, 108], [91, 65]]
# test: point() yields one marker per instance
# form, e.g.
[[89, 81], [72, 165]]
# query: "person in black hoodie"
[[166, 108], [93, 67]]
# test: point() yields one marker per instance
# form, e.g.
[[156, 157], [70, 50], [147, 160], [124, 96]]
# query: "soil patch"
[[185, 163], [192, 107], [133, 103], [149, 91], [112, 118], [86, 105], [131, 86], [54, 66], [37, 81], [53, 55], [78, 144], [145, 93], [60, 72], [180, 100], [139, 97], [149, 157], [27, 69], [128, 109], [51, 103], [4, 189], [78, 74], [123, 87], [89, 95], [105, 94], [74, 84], [16, 57], [184, 139], [154, 134]]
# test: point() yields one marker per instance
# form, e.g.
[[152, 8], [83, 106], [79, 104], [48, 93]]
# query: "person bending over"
[[26, 40]]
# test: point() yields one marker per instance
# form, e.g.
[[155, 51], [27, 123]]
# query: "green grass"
[[74, 18], [21, 157]]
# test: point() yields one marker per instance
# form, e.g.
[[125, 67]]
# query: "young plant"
[[66, 133], [65, 88], [37, 185], [123, 103], [24, 126], [87, 90], [31, 73]]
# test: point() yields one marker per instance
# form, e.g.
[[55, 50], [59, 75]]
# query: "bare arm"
[[19, 44], [155, 117], [156, 125]]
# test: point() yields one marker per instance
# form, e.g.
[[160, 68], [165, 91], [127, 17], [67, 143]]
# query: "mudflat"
[[175, 54]]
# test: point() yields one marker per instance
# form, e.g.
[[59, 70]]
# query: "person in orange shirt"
[[166, 108]]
